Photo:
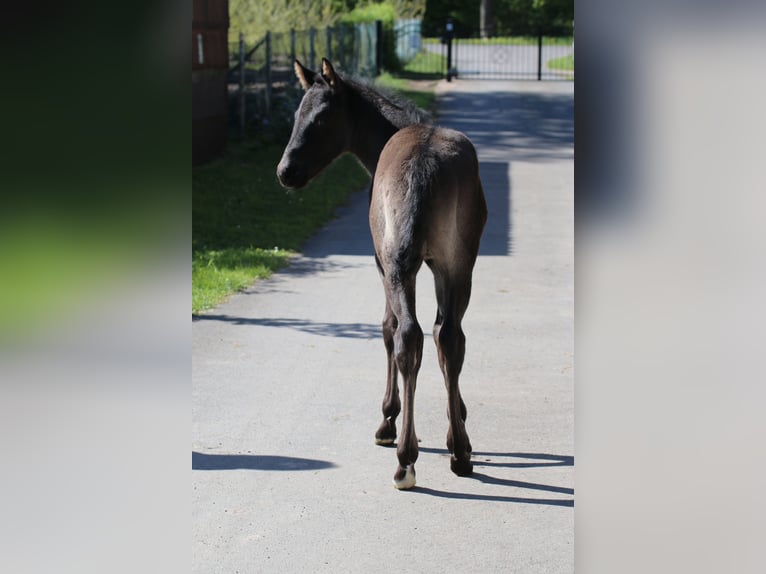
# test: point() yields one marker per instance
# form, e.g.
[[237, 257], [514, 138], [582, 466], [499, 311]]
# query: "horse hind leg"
[[452, 298], [463, 411], [408, 352], [386, 433]]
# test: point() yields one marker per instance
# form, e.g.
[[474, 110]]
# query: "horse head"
[[321, 129]]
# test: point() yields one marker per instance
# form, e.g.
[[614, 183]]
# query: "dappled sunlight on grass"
[[218, 273]]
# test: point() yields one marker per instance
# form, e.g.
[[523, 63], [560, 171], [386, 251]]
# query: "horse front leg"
[[386, 433]]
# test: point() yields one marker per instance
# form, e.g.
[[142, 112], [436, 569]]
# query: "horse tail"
[[419, 174]]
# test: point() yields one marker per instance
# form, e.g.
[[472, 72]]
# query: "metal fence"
[[541, 57], [262, 86], [263, 91], [521, 58]]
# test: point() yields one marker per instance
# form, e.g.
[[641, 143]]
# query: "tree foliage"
[[255, 18], [517, 17]]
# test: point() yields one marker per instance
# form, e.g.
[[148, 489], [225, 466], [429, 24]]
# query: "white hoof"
[[408, 481], [384, 441]]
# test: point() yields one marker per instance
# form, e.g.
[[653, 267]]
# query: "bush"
[[384, 11]]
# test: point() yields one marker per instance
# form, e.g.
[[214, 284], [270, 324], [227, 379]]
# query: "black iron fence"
[[545, 56], [522, 58], [262, 86], [263, 91]]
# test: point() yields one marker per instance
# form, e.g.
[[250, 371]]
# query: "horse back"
[[427, 201]]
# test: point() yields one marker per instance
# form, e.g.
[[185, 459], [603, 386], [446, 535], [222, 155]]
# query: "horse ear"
[[328, 73], [304, 75]]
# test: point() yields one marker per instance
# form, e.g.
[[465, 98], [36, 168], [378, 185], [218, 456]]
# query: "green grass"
[[217, 273], [425, 65], [245, 225], [564, 63], [421, 93]]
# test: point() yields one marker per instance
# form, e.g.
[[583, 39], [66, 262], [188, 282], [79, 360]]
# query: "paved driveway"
[[288, 379]]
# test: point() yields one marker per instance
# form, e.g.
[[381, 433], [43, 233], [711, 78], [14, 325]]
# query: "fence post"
[[241, 85], [292, 46], [312, 51], [539, 55], [268, 73], [328, 50]]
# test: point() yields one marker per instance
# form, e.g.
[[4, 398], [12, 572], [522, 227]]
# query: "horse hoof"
[[386, 433], [461, 467], [404, 478]]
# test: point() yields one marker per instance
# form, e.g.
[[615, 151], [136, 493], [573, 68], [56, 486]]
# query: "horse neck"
[[371, 129]]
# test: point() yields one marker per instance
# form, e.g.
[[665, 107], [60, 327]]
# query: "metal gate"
[[522, 58], [540, 57]]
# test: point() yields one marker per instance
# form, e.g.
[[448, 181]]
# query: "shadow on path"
[[496, 238], [524, 126], [520, 484], [492, 498], [544, 460], [349, 233], [203, 461], [343, 330]]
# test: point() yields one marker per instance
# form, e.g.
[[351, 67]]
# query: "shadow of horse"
[[483, 459], [206, 461]]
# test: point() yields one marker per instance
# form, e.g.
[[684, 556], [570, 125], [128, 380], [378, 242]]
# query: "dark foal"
[[426, 204]]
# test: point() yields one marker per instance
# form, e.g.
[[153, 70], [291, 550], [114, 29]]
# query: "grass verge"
[[426, 65], [245, 225], [216, 273]]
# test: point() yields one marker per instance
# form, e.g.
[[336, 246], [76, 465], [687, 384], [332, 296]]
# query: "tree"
[[490, 17], [487, 19], [464, 15], [406, 9], [254, 19]]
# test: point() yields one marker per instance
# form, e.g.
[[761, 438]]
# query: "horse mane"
[[400, 111]]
